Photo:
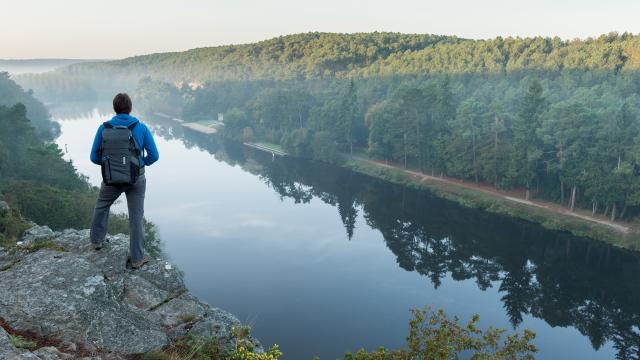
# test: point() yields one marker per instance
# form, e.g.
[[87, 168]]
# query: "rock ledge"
[[56, 286]]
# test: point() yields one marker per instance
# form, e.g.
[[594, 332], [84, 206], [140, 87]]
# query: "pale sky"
[[121, 28]]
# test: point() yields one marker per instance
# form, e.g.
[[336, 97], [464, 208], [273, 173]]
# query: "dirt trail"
[[487, 189]]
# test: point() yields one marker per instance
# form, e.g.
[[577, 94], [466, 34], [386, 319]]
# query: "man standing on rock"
[[123, 146]]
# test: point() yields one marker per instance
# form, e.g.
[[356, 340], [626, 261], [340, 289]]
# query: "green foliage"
[[435, 336], [273, 353], [380, 354], [46, 244], [324, 55], [119, 224], [298, 143], [36, 181], [193, 347], [24, 156], [300, 56], [207, 348], [47, 205], [570, 137], [236, 125], [12, 225], [159, 96], [324, 148], [22, 342], [12, 94]]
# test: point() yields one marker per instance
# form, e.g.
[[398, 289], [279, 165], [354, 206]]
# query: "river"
[[321, 260]]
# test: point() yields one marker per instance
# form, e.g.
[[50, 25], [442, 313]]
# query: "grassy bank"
[[472, 198]]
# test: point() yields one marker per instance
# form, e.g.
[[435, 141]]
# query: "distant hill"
[[299, 56], [322, 55], [35, 66]]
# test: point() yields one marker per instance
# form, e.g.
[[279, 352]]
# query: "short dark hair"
[[122, 104]]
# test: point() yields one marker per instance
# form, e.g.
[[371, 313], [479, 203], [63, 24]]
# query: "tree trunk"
[[351, 147], [405, 149], [619, 160], [573, 197], [606, 211], [624, 210], [475, 168], [300, 117], [595, 208], [613, 212], [526, 195], [561, 192], [495, 155], [419, 138]]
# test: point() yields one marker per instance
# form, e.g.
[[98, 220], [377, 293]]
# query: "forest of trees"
[[11, 94], [571, 138], [325, 55], [552, 118]]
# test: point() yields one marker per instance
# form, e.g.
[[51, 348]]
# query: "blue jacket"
[[141, 135]]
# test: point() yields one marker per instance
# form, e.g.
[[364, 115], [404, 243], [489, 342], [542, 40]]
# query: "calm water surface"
[[321, 260]]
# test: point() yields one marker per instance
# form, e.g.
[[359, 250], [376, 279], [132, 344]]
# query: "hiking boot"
[[138, 264], [100, 245]]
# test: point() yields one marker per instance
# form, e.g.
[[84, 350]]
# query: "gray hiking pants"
[[135, 203]]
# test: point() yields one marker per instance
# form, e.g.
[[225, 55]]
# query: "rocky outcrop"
[[55, 285]]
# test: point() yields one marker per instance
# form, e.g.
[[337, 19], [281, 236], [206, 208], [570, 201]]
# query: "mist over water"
[[321, 260]]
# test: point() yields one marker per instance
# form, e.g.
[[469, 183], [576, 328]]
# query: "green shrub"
[[323, 148], [21, 342], [245, 354], [435, 336], [47, 244], [47, 205], [298, 143], [12, 225], [207, 348]]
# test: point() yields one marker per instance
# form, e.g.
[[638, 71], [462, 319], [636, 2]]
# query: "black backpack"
[[120, 155]]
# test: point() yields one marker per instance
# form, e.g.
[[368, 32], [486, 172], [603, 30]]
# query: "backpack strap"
[[109, 126], [135, 143], [106, 126]]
